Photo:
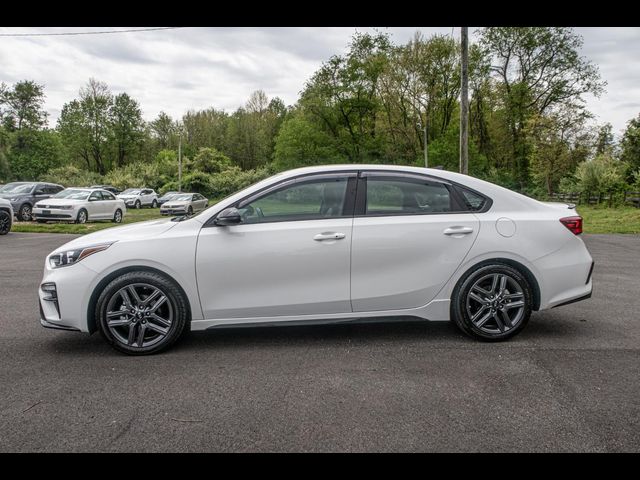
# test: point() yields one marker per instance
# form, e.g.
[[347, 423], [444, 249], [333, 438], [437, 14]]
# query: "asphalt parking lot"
[[569, 382]]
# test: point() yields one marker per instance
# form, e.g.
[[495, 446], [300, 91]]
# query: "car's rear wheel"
[[141, 313], [5, 222], [24, 213], [492, 302], [117, 217], [82, 216]]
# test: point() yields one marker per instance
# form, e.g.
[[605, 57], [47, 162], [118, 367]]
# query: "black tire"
[[117, 216], [5, 222], [82, 217], [176, 303], [138, 205], [24, 213], [154, 204], [190, 210], [493, 311]]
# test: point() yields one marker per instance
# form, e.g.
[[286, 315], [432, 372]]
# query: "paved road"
[[569, 382]]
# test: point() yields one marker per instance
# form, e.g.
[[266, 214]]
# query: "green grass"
[[596, 220], [132, 216], [610, 220]]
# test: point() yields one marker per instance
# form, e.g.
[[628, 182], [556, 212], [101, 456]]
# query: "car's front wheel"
[[24, 213], [492, 302], [154, 204], [141, 313], [5, 222], [82, 216], [138, 205]]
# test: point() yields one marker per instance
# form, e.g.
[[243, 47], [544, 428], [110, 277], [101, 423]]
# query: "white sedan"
[[184, 204], [80, 205], [320, 245]]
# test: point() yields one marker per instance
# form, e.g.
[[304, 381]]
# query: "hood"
[[13, 195], [134, 231], [181, 203], [128, 197], [59, 201]]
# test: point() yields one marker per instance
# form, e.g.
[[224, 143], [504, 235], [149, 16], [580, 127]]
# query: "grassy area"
[[596, 220], [131, 216], [610, 220]]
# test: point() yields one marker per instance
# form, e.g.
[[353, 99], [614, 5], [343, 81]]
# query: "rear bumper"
[[565, 276]]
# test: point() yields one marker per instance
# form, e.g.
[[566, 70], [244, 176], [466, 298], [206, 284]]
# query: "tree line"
[[530, 129]]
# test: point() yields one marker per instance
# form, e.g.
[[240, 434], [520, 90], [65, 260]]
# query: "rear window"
[[473, 201]]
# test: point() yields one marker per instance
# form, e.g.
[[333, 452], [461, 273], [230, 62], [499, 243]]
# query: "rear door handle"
[[457, 230], [328, 236]]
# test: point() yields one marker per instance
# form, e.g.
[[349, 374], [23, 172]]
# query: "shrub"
[[601, 175], [72, 176]]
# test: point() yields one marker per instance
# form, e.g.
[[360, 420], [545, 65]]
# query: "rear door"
[[410, 234]]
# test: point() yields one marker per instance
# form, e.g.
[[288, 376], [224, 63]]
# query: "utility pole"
[[464, 101], [180, 163], [424, 131]]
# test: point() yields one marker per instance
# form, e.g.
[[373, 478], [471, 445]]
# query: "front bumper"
[[173, 211], [53, 214], [74, 285]]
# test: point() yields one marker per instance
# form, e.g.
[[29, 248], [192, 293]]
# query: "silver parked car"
[[184, 204]]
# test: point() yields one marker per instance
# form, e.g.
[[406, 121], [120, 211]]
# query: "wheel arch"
[[523, 269], [93, 299]]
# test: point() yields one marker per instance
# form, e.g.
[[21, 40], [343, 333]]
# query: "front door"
[[290, 255]]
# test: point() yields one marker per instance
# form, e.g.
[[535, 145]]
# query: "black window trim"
[[453, 187], [351, 175], [357, 197]]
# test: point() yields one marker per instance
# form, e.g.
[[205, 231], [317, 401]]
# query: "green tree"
[[210, 160], [21, 107], [539, 69], [126, 127], [630, 144]]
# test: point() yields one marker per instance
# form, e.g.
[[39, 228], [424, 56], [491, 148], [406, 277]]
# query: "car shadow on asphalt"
[[396, 331]]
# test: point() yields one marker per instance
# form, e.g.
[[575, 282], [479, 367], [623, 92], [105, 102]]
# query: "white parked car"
[[139, 197], [325, 244], [184, 204], [80, 205], [6, 216]]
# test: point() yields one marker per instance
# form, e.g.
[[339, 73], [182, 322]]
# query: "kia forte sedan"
[[322, 245]]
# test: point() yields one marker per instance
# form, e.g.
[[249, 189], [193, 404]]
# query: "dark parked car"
[[109, 188], [24, 195], [166, 196]]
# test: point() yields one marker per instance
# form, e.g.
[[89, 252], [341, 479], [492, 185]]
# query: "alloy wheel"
[[5, 223], [139, 315], [496, 303], [25, 213]]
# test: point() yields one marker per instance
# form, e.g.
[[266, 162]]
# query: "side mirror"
[[229, 216]]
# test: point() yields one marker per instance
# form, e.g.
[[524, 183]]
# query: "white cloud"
[[195, 68]]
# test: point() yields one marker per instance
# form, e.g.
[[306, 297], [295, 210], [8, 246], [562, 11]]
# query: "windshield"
[[181, 197], [169, 194], [131, 191], [73, 194], [17, 188]]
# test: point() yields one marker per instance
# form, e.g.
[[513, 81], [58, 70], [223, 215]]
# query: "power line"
[[85, 33]]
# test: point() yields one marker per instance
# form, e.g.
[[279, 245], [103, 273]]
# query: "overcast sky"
[[196, 67]]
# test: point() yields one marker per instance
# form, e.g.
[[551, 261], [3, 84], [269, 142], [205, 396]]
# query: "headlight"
[[64, 207], [71, 257]]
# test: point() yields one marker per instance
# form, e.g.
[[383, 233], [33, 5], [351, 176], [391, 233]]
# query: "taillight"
[[573, 223]]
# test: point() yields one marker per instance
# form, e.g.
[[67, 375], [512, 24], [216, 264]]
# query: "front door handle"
[[457, 230], [328, 236]]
